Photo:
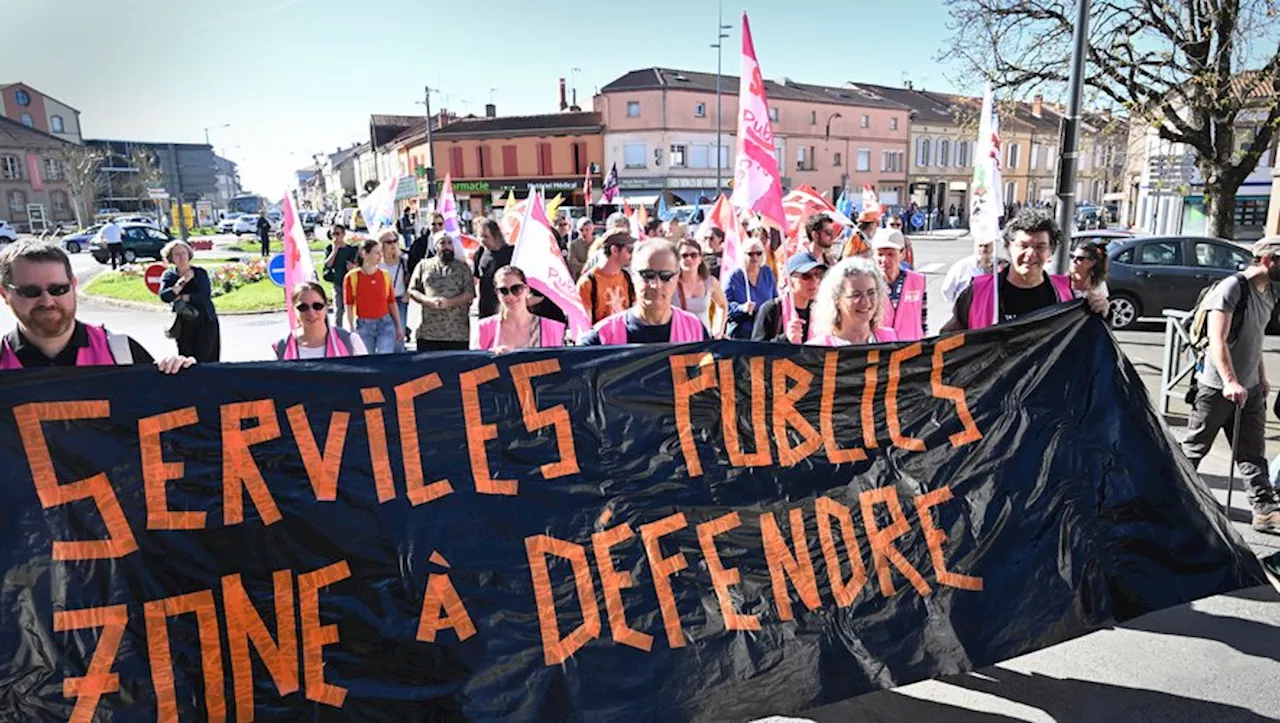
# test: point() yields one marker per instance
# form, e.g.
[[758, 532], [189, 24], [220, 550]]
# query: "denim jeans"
[[403, 306], [378, 335]]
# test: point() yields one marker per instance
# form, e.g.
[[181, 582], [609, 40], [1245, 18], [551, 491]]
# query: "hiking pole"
[[1231, 473]]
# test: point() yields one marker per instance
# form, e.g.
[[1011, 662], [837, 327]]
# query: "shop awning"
[[637, 199], [688, 197]]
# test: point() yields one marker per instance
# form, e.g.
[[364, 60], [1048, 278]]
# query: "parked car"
[[247, 223], [7, 232], [76, 242], [228, 222], [309, 220], [1152, 273], [140, 242], [140, 219]]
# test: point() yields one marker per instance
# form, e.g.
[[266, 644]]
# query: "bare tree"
[[1196, 71], [81, 164]]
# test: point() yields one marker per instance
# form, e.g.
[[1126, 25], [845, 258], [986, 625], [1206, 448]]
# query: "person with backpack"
[[395, 263], [315, 338], [607, 289], [1232, 384], [371, 302], [339, 258]]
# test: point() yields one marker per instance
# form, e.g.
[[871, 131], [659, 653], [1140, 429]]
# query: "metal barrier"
[[1179, 359]]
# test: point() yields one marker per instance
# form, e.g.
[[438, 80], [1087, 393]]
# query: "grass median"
[[257, 296]]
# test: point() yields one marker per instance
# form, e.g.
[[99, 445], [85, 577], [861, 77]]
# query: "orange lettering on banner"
[[239, 470], [120, 540], [881, 540], [869, 400], [375, 427], [729, 415], [844, 591], [934, 537], [554, 648], [891, 398], [316, 636], [98, 680], [157, 614], [245, 626], [612, 582], [410, 446], [478, 432], [835, 454], [787, 563], [556, 417], [322, 467], [683, 390], [663, 568], [156, 471], [785, 413], [442, 609], [954, 394], [723, 578]]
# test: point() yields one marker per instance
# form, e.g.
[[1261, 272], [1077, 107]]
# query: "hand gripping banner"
[[722, 530]]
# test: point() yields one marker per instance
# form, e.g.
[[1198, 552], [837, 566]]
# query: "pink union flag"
[[298, 267], [757, 184], [723, 217], [538, 255]]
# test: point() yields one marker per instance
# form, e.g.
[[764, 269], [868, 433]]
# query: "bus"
[[247, 204]]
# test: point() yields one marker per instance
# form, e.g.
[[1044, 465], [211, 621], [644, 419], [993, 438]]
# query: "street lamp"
[[213, 128], [719, 45], [830, 118], [573, 82]]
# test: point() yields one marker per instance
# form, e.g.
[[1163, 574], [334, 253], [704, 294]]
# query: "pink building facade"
[[660, 131]]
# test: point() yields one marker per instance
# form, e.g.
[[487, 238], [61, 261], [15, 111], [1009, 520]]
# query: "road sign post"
[[152, 277]]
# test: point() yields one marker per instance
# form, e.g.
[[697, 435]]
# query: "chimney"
[[564, 104], [442, 120], [490, 110], [1037, 106]]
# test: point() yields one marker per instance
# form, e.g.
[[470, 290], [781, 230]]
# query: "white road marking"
[[932, 268]]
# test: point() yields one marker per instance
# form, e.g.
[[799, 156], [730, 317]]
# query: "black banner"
[[722, 530]]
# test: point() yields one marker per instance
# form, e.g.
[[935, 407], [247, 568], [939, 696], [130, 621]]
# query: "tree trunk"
[[1219, 204]]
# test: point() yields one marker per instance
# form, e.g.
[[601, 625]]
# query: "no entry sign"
[[152, 277]]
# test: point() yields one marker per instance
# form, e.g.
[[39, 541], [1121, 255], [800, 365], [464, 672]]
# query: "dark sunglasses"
[[812, 274], [691, 255], [390, 242], [439, 224], [753, 254], [514, 290], [895, 225], [1081, 257], [32, 291], [651, 274], [314, 306]]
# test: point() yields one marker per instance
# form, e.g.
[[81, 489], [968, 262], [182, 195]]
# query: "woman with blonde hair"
[[850, 305], [698, 292]]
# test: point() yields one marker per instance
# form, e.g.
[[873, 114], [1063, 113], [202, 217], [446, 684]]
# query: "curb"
[[158, 307]]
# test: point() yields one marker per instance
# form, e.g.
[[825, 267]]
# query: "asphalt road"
[[1214, 660]]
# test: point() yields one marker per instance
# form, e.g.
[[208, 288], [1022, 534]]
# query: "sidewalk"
[[941, 234]]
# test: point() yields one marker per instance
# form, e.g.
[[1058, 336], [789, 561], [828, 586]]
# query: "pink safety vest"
[[789, 312], [96, 354], [334, 346], [907, 318], [551, 331], [685, 328], [882, 334], [982, 301]]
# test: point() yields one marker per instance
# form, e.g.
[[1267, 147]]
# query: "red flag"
[[538, 255], [723, 217], [799, 205]]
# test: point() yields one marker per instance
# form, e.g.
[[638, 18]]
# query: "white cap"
[[887, 238]]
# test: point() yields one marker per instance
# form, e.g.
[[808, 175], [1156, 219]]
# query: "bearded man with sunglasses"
[[652, 319], [37, 284]]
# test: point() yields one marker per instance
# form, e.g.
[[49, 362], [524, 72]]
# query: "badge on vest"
[[912, 296]]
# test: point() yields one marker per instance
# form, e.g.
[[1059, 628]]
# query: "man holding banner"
[[652, 319]]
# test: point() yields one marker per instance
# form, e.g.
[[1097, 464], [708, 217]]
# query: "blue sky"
[[296, 77]]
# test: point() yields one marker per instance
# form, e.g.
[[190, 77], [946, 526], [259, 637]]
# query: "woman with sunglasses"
[[749, 287], [697, 291], [315, 338], [514, 326], [198, 336], [396, 265], [1088, 274], [850, 305]]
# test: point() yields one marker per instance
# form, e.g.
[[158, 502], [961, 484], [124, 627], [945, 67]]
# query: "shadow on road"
[[1247, 636]]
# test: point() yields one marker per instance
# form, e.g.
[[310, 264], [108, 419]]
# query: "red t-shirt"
[[371, 294]]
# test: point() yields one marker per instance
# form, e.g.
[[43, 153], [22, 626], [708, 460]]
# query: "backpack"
[[355, 285], [1198, 326], [631, 290]]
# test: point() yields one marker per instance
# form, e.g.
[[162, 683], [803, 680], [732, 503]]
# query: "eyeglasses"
[[514, 290], [437, 224], [313, 306], [811, 274], [895, 225], [754, 254], [651, 274], [389, 242], [32, 291], [1081, 258], [1038, 248], [691, 255], [858, 297]]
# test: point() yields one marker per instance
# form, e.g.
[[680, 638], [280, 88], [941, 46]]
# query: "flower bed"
[[225, 278]]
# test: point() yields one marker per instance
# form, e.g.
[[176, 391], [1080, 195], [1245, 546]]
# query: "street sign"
[[917, 220], [152, 277], [157, 194], [275, 270]]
